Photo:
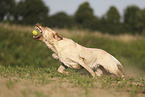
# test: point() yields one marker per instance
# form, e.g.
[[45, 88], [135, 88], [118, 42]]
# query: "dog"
[[73, 55]]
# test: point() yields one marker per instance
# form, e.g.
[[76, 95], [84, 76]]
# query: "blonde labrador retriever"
[[73, 55]]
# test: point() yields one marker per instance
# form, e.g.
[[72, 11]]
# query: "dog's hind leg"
[[118, 73], [87, 68], [98, 72]]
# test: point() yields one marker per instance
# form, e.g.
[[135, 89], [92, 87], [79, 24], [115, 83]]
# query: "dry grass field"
[[28, 70]]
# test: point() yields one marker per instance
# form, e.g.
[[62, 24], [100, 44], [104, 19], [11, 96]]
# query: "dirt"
[[27, 88]]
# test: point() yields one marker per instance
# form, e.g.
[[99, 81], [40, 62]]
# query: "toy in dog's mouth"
[[39, 33]]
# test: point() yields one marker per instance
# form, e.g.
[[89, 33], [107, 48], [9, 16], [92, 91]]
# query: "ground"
[[42, 82]]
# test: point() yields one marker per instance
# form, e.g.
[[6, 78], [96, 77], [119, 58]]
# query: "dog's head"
[[46, 34]]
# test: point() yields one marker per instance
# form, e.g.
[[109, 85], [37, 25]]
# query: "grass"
[[27, 68], [42, 77]]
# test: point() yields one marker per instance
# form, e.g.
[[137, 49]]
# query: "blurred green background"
[[17, 47]]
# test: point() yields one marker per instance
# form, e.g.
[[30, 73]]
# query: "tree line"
[[29, 12]]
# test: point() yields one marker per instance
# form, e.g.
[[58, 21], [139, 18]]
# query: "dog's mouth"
[[39, 30]]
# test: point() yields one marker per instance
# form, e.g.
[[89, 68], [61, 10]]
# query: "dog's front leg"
[[61, 70]]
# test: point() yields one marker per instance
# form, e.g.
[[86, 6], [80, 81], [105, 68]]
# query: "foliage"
[[30, 12], [131, 18], [7, 8], [60, 20], [141, 21], [111, 21], [84, 16], [113, 15]]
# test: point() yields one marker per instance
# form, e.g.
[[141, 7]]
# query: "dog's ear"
[[56, 36]]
